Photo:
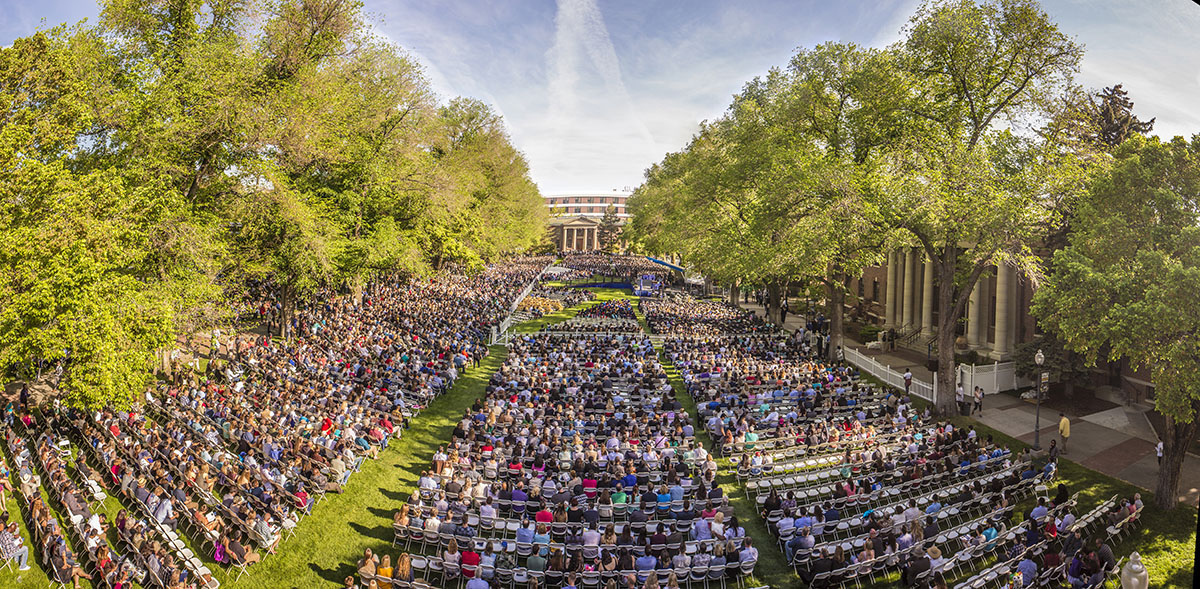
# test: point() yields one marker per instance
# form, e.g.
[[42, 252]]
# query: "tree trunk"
[[1177, 438], [773, 304], [837, 310], [735, 295], [1067, 375], [285, 310]]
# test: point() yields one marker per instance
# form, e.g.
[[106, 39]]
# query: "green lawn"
[[602, 294], [1166, 540], [327, 544]]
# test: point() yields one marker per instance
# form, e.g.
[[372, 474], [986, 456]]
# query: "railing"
[[994, 378], [500, 330], [892, 378]]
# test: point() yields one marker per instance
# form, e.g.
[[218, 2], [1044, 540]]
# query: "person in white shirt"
[[591, 542], [1159, 450]]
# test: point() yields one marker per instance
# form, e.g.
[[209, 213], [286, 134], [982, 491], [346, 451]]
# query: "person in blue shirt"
[[629, 480], [831, 513], [664, 498], [1028, 569], [804, 521], [1039, 510], [933, 507], [644, 563], [525, 532]]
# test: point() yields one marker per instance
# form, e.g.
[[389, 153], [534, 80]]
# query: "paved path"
[[1118, 442]]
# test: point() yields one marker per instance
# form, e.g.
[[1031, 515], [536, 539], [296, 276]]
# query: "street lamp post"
[[1039, 359]]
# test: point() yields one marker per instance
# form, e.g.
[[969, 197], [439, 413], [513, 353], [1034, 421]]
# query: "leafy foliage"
[[150, 163], [1123, 282]]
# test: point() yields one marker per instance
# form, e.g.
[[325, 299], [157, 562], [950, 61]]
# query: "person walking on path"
[[1159, 451], [907, 379], [978, 401], [1064, 430]]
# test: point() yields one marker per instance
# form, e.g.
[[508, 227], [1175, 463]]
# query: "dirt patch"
[[1083, 402]]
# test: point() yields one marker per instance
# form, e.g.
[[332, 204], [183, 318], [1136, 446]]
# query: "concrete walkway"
[[1118, 442]]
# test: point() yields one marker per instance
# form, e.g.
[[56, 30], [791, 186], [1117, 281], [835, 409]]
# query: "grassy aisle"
[[329, 542], [602, 294]]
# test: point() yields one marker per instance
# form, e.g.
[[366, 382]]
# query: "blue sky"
[[594, 91]]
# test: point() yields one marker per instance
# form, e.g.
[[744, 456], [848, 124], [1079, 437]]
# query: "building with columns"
[[576, 218], [578, 234], [900, 295]]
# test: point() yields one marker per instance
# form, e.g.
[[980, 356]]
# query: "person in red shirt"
[[470, 563]]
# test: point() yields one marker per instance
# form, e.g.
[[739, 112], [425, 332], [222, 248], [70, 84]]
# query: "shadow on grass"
[[333, 575], [399, 496], [377, 532], [381, 512]]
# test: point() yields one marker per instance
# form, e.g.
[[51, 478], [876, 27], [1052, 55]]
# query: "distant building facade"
[[575, 217], [900, 295]]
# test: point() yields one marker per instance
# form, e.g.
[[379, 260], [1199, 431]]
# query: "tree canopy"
[[1122, 285], [153, 162]]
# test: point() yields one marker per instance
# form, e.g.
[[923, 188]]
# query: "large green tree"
[[845, 100], [1125, 282], [153, 162], [93, 272], [966, 185]]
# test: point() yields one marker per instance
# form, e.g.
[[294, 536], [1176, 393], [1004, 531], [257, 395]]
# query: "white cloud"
[[590, 126]]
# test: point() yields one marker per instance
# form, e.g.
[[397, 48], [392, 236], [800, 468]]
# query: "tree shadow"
[[335, 576], [398, 496], [379, 533], [380, 512]]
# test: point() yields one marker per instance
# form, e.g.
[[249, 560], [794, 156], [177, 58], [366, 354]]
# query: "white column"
[[975, 327], [927, 300], [1003, 314], [910, 284], [889, 292]]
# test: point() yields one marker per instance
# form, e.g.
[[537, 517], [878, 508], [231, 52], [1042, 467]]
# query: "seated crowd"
[[680, 315], [236, 461], [614, 266], [853, 483], [578, 461]]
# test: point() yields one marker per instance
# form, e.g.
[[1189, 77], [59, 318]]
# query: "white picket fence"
[[893, 378], [994, 378], [498, 331]]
